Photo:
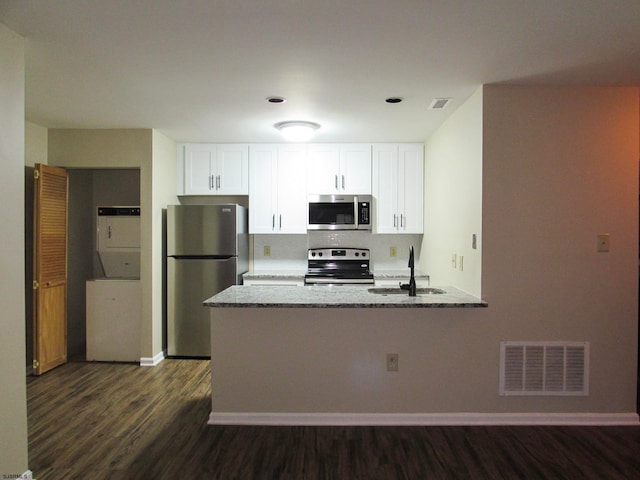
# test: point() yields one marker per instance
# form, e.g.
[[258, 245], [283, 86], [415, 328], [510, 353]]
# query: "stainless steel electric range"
[[338, 266]]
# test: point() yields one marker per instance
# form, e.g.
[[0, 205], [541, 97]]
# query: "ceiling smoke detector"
[[439, 103]]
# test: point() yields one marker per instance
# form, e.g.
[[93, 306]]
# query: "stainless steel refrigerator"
[[207, 251]]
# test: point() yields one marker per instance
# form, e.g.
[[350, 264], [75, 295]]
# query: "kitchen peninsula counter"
[[302, 355], [342, 296]]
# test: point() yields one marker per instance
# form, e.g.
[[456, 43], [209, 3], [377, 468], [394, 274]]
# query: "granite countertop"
[[299, 274], [398, 274], [275, 275], [343, 296]]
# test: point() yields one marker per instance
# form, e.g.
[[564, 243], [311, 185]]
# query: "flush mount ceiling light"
[[297, 130]]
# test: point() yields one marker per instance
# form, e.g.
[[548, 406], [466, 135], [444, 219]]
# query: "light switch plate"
[[603, 242]]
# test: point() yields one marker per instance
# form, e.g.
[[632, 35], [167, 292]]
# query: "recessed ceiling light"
[[394, 99], [276, 99], [439, 103], [297, 130]]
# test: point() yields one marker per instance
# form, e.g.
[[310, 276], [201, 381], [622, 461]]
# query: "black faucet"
[[411, 286]]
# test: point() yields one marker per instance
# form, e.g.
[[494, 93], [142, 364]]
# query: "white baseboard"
[[423, 419], [152, 361]]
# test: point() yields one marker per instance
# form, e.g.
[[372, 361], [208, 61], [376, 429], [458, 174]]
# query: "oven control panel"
[[338, 253]]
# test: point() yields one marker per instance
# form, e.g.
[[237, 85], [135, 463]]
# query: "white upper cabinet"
[[398, 192], [336, 169], [214, 169], [277, 190]]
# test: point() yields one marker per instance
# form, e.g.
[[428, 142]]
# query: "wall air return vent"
[[544, 368]]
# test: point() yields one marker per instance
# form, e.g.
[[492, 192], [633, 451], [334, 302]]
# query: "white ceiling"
[[200, 70]]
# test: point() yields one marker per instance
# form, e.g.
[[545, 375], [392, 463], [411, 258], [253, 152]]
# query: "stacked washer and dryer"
[[114, 305]]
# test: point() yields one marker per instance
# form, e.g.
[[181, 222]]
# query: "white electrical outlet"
[[393, 251], [392, 362], [267, 251]]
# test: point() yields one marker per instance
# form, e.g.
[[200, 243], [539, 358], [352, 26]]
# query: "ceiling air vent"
[[544, 368], [439, 103]]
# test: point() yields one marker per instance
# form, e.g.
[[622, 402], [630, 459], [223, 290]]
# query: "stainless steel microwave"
[[339, 212]]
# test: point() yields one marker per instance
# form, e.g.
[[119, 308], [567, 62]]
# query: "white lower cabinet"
[[397, 187], [277, 189]]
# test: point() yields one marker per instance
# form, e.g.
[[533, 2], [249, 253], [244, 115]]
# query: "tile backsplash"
[[289, 252]]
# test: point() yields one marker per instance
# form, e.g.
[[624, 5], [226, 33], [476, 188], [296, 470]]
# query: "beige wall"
[[453, 200], [164, 193], [13, 399], [559, 166], [127, 148], [36, 140], [100, 148]]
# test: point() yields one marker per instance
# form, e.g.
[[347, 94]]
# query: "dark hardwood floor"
[[121, 421]]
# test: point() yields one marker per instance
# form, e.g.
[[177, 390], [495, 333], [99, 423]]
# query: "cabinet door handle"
[[336, 181], [395, 224], [109, 230], [401, 220], [273, 222], [343, 182], [210, 182], [218, 182], [280, 221]]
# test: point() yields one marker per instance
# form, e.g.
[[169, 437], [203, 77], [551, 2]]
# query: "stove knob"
[[319, 254], [357, 254], [364, 254]]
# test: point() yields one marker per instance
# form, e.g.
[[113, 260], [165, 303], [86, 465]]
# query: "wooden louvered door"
[[50, 268]]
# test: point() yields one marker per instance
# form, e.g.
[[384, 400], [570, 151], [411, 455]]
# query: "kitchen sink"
[[399, 291]]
